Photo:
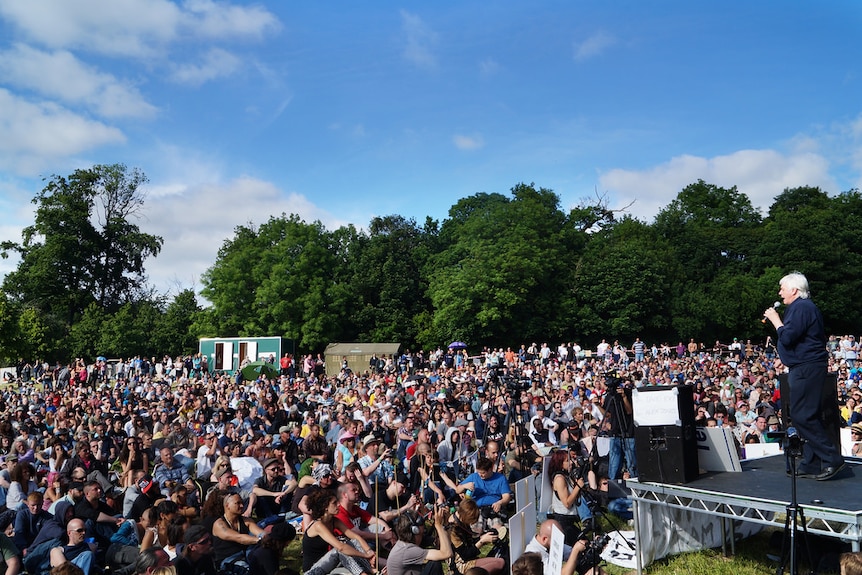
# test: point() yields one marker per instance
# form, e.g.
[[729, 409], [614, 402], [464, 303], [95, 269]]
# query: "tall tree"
[[713, 232], [387, 280], [621, 284], [83, 247], [809, 231], [285, 278], [497, 272]]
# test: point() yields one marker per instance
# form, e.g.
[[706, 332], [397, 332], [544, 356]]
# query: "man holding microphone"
[[802, 348]]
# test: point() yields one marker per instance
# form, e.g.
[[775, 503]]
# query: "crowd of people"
[[205, 470]]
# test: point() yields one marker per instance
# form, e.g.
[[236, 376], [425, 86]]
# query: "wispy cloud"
[[216, 63], [593, 46], [420, 41], [760, 174], [488, 68], [220, 19], [468, 143], [62, 76]]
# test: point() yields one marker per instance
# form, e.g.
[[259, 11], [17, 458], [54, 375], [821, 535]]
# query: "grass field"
[[754, 556]]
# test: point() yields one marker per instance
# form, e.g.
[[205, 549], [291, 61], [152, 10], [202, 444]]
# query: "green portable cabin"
[[227, 353]]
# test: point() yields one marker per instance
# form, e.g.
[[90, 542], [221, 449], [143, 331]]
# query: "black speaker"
[[830, 414], [668, 453]]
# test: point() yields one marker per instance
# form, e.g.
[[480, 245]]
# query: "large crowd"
[[141, 465]]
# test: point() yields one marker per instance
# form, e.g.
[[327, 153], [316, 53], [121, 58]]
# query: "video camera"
[[791, 441], [513, 381], [592, 555]]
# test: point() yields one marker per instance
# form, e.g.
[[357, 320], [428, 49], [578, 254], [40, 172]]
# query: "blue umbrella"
[[457, 345]]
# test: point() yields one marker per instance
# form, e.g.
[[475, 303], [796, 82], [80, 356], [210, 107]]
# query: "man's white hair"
[[798, 281]]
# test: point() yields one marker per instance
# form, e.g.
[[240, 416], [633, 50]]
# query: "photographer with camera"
[[582, 557], [567, 504], [619, 423]]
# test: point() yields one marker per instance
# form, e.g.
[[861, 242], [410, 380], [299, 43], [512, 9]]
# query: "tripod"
[[795, 516]]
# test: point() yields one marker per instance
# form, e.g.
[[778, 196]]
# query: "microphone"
[[774, 306]]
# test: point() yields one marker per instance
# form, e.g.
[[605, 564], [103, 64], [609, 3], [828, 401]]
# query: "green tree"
[[387, 281], [622, 281], [285, 278], [86, 334], [809, 231], [173, 331], [713, 233], [499, 267], [83, 247]]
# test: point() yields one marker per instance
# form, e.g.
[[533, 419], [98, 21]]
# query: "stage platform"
[[759, 494]]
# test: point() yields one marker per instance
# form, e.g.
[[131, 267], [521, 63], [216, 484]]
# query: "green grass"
[[750, 559]]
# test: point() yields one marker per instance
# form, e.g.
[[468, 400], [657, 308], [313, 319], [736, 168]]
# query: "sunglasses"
[[79, 530]]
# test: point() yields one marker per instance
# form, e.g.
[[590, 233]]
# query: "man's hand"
[[469, 486], [497, 506], [441, 517]]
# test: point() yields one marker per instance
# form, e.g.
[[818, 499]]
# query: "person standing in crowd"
[[802, 348], [619, 422]]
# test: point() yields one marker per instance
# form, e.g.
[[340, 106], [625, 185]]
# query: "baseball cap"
[[145, 484]]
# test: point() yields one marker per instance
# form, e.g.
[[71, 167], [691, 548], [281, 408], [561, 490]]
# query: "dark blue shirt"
[[802, 338]]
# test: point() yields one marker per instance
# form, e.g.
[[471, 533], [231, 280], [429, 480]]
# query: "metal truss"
[[824, 521]]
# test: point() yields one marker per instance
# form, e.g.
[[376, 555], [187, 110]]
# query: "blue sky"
[[342, 111]]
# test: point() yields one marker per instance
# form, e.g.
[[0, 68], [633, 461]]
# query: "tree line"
[[498, 270]]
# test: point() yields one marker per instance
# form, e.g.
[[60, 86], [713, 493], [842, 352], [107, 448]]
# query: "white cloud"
[[36, 133], [421, 40], [196, 218], [216, 63], [760, 174], [138, 28], [220, 19], [593, 46], [468, 142], [118, 28], [62, 76]]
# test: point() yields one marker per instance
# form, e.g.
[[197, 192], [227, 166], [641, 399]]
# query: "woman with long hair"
[[322, 551], [467, 544], [58, 487], [21, 485], [132, 458], [567, 488]]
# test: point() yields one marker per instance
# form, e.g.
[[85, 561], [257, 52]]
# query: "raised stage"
[[758, 495]]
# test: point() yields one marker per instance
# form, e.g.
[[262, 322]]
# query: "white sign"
[[716, 449], [656, 407], [555, 553]]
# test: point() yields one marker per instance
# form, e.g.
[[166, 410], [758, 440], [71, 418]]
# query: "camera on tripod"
[[592, 555], [791, 441], [512, 382]]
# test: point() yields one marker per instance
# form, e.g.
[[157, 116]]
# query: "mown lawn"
[[754, 556]]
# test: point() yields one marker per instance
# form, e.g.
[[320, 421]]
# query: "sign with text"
[[656, 406]]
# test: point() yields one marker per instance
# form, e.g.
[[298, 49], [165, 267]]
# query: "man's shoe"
[[831, 472], [801, 474]]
